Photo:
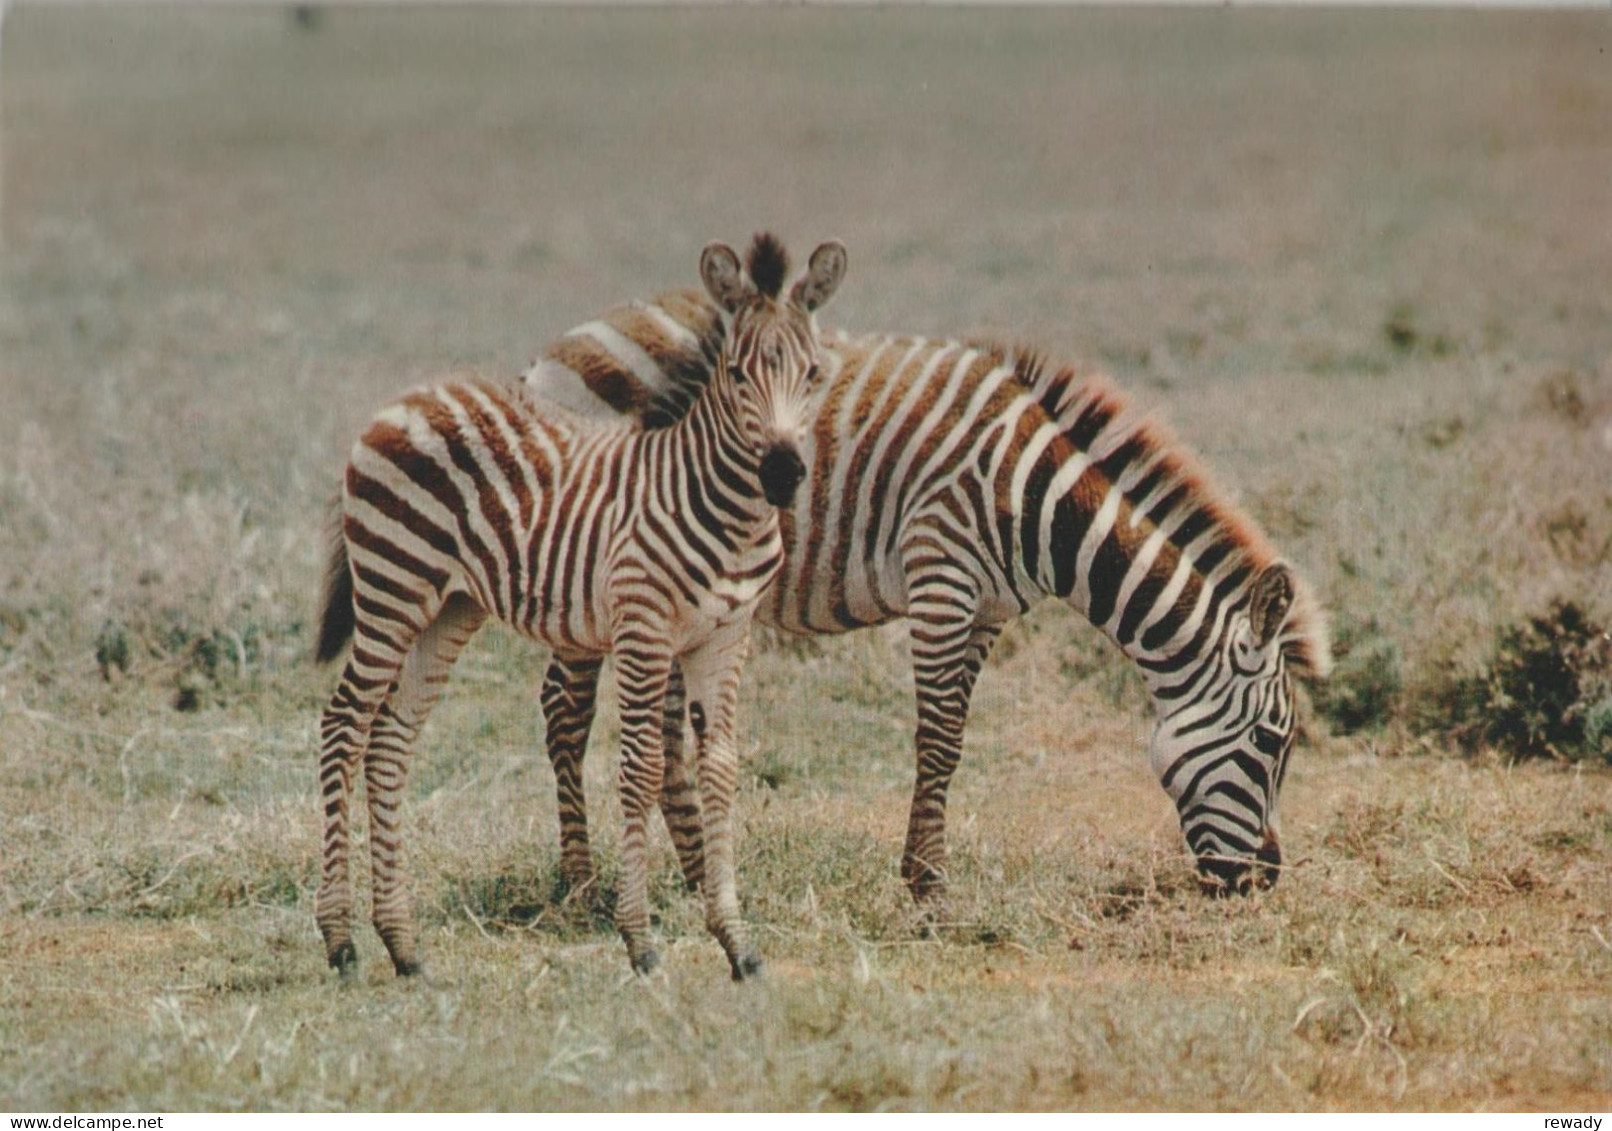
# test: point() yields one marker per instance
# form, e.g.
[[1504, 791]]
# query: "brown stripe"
[[639, 326], [424, 471], [493, 507], [870, 430], [602, 373], [382, 499]]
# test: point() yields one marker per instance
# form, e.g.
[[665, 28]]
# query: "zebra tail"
[[336, 618]]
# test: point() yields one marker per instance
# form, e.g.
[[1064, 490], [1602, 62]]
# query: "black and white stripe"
[[474, 499], [957, 484]]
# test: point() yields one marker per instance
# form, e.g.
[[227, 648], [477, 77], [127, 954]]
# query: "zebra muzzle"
[[1229, 875], [782, 470]]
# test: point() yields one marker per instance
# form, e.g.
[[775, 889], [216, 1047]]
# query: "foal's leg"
[[386, 769], [641, 674], [379, 649], [712, 672], [569, 696]]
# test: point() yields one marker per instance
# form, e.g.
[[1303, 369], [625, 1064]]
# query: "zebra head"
[[770, 359], [1221, 748]]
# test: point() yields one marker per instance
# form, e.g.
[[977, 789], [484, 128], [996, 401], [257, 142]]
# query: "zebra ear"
[[722, 276], [1270, 600], [824, 271]]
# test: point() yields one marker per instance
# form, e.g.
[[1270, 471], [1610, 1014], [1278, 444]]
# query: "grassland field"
[[1362, 262]]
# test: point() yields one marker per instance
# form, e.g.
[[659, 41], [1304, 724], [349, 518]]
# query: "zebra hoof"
[[344, 959], [407, 967], [748, 966], [645, 961]]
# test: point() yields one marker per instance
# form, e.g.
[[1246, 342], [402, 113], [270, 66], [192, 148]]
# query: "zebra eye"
[[737, 374], [812, 375], [1267, 741]]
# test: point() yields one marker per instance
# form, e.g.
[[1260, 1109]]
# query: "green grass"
[[224, 241]]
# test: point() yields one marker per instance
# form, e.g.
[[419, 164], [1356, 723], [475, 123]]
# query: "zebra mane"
[[1153, 464], [768, 264]]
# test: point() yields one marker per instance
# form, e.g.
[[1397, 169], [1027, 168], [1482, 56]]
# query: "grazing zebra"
[[471, 500], [956, 485]]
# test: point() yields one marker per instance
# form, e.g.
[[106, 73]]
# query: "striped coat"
[[474, 499], [956, 485]]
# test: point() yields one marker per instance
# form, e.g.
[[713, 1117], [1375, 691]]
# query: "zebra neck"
[[1152, 574], [725, 471]]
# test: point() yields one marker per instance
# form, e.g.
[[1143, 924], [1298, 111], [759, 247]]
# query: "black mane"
[[768, 264]]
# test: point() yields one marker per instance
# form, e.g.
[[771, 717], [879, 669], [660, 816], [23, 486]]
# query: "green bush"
[[1545, 693]]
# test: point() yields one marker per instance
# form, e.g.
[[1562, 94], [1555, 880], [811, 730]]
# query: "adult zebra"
[[472, 499], [957, 485]]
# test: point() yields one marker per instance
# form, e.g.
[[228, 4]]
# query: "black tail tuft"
[[336, 617], [768, 264]]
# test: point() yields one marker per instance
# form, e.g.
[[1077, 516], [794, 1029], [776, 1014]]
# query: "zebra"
[[476, 499], [957, 484]]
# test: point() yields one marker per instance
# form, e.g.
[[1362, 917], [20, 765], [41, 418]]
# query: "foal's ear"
[[722, 276], [1270, 600], [824, 271]]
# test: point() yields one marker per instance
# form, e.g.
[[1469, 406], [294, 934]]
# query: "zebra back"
[[647, 360]]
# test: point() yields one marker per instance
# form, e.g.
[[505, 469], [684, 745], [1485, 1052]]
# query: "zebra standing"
[[472, 500], [957, 485]]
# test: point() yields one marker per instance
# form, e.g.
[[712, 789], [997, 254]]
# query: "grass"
[[1422, 954], [1388, 333]]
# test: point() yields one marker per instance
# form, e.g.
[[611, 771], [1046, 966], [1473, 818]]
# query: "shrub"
[[1545, 693]]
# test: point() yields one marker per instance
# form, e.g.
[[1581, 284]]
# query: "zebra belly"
[[812, 597], [569, 629]]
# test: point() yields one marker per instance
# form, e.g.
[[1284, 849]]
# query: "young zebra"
[[472, 500], [957, 485]]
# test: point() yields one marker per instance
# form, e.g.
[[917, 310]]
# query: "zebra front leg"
[[570, 693], [947, 653], [386, 770], [679, 801], [712, 672], [641, 675]]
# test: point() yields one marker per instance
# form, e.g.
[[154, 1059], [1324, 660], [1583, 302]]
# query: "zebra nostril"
[[782, 469]]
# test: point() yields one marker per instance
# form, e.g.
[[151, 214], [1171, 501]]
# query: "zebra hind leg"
[[344, 734], [419, 684], [679, 799]]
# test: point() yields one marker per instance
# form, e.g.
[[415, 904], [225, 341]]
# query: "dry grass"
[[1359, 261]]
